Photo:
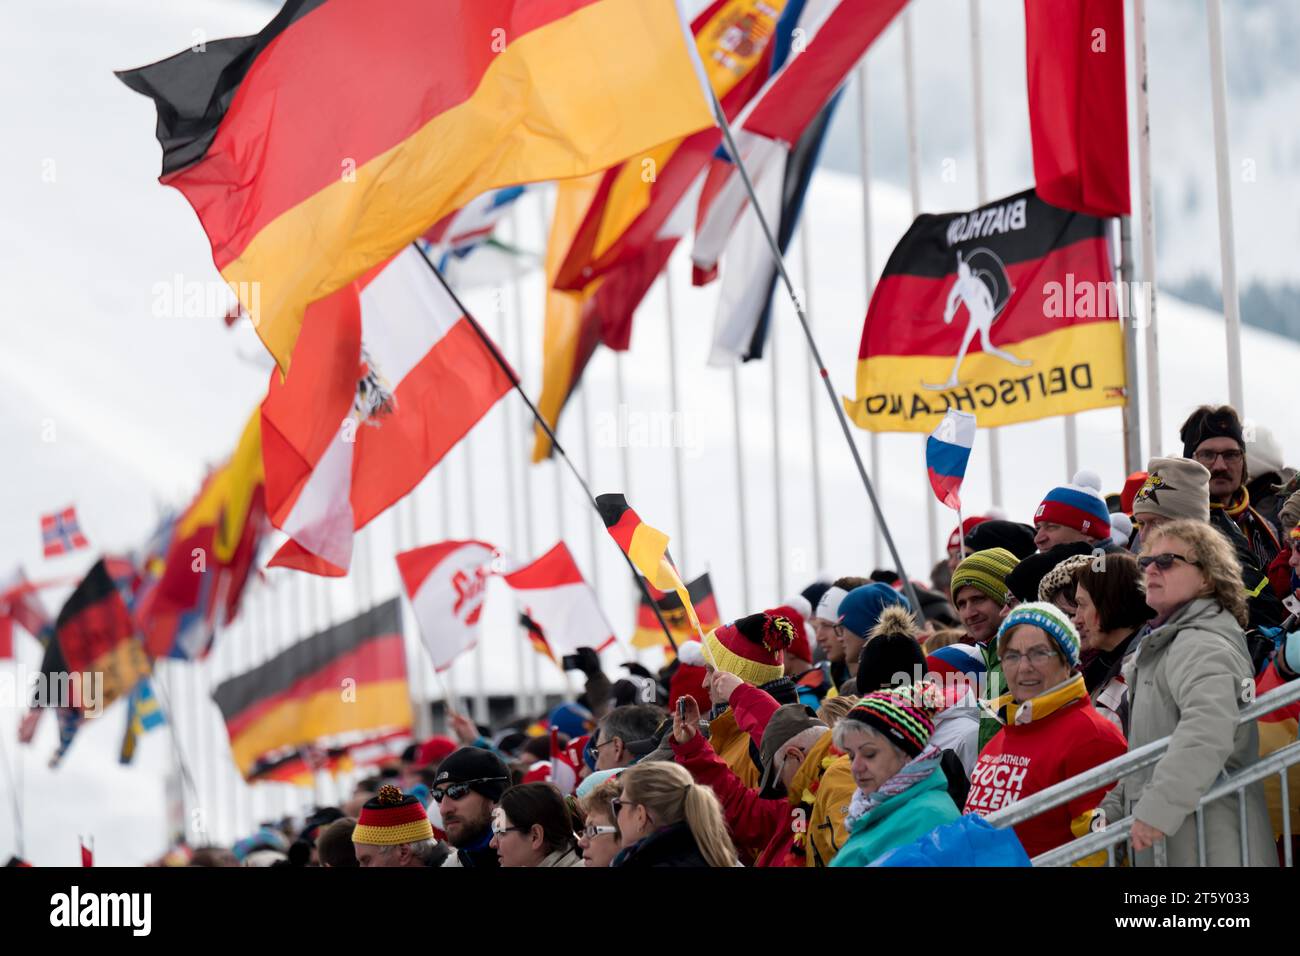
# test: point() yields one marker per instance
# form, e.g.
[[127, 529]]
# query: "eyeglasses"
[[592, 831], [1036, 656], [1230, 457], [458, 790], [497, 831], [1164, 561]]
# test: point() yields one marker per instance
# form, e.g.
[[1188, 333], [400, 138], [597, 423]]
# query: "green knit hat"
[[986, 571]]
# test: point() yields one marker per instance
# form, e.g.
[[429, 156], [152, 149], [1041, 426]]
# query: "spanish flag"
[[317, 148], [613, 232], [648, 549]]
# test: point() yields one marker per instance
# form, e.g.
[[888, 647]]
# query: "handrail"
[[1110, 771], [1118, 832]]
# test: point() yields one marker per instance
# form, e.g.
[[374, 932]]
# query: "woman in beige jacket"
[[1187, 680]]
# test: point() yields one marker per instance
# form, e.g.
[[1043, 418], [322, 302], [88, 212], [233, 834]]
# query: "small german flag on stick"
[[647, 548]]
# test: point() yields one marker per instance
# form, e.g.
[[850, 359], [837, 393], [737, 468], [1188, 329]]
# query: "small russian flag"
[[946, 452]]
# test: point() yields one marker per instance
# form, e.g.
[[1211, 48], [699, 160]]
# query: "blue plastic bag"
[[970, 841]]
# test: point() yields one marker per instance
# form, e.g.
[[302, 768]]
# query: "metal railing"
[[1117, 832]]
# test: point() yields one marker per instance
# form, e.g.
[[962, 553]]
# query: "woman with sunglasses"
[[1187, 679], [599, 839], [666, 819], [531, 826]]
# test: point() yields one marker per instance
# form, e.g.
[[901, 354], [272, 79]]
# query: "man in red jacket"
[[762, 821]]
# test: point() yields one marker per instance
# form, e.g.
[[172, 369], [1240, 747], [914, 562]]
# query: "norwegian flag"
[[61, 533]]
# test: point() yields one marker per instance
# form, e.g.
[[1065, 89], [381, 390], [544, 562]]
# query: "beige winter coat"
[[1188, 678], [563, 858]]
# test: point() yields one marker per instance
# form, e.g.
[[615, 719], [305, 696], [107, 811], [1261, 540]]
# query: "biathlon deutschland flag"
[[1008, 311]]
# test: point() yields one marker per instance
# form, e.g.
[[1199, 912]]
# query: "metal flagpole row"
[[1223, 181], [981, 197], [721, 119], [1155, 427], [869, 270], [914, 181]]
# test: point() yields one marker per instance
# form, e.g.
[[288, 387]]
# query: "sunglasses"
[[1164, 561], [458, 790]]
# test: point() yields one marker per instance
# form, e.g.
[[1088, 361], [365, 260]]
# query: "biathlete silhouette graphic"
[[984, 288]]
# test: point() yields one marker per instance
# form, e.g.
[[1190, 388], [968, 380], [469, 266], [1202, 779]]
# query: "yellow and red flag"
[[1009, 311], [613, 233], [648, 549], [317, 148]]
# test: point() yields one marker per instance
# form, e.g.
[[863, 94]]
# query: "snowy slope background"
[[109, 406]]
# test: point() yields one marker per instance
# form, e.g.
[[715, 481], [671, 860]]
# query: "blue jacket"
[[899, 820]]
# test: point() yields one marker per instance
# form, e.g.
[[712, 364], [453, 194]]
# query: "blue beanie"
[[861, 607], [572, 719]]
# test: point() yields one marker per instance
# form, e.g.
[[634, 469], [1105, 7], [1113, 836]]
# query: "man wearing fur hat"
[[1181, 488], [1213, 436], [394, 830]]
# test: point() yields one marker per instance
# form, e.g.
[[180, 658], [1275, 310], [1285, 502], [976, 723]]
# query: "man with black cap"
[[1213, 436], [467, 788]]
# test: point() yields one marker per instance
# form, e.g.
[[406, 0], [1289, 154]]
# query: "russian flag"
[[946, 452]]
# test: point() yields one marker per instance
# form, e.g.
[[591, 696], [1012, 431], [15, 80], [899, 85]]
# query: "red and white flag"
[[446, 583], [553, 593], [388, 374], [61, 532], [21, 604]]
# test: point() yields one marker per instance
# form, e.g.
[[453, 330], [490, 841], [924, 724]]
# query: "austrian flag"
[[389, 374]]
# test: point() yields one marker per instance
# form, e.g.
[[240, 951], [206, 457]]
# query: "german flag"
[[317, 148], [648, 633], [96, 636], [648, 549], [1009, 311], [345, 681]]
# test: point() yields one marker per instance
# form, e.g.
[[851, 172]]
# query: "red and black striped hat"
[[390, 819]]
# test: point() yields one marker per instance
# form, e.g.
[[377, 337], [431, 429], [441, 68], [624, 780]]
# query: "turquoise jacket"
[[899, 820]]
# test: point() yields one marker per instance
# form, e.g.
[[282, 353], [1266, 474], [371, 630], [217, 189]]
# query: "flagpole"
[[1154, 426], [1133, 404], [678, 430], [864, 127], [814, 446], [914, 182], [816, 355], [510, 436], [416, 665], [545, 426], [777, 510], [12, 773], [740, 488], [1222, 177], [480, 672], [981, 197]]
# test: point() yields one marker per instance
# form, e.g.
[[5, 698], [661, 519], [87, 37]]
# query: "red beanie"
[[1132, 485], [799, 647], [960, 532], [435, 750]]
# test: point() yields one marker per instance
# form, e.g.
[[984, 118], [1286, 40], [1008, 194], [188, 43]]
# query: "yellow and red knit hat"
[[390, 819], [752, 648]]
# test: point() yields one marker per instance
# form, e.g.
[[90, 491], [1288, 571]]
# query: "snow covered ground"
[[105, 404]]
